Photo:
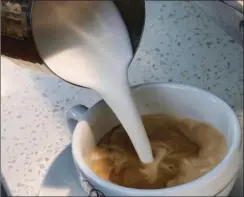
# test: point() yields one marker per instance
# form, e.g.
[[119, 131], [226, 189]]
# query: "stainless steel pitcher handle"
[[16, 18]]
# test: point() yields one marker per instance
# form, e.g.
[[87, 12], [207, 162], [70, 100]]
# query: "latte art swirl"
[[183, 149]]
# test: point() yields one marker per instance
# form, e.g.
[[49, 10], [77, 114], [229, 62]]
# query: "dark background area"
[[3, 192]]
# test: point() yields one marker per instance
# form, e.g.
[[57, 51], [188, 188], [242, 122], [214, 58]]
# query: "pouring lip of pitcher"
[[210, 176], [134, 48]]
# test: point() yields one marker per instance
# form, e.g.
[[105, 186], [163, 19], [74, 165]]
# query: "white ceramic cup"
[[90, 125]]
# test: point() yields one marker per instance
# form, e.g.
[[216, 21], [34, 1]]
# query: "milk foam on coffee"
[[183, 149], [98, 58]]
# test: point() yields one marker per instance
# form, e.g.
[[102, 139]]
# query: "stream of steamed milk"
[[98, 57]]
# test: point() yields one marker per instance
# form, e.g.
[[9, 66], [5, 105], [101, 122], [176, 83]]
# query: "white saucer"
[[62, 179]]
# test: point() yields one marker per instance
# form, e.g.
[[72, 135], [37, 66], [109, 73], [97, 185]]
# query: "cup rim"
[[206, 177]]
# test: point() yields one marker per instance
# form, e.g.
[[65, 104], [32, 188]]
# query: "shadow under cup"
[[169, 99]]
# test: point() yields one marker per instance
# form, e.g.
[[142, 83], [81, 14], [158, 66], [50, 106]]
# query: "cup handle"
[[74, 115]]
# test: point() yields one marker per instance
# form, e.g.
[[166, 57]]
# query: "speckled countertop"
[[180, 44]]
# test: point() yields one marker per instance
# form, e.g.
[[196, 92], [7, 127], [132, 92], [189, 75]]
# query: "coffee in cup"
[[184, 150]]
